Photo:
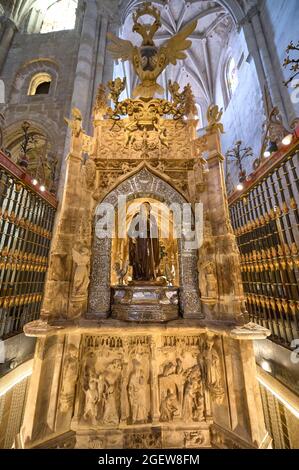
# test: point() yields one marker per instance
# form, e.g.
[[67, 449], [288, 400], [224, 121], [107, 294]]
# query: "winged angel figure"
[[148, 60]]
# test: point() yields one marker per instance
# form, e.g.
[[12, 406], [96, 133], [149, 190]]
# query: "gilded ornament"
[[148, 60]]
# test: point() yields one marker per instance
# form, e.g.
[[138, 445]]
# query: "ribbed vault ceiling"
[[208, 41]]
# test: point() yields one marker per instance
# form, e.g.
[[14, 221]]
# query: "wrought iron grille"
[[265, 220], [26, 224]]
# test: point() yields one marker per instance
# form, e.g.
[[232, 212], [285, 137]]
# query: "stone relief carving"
[[113, 136], [143, 440], [81, 262], [138, 393], [78, 134], [209, 285], [90, 173], [69, 378], [121, 376], [194, 439], [115, 384]]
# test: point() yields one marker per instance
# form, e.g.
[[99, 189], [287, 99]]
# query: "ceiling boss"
[[148, 60]]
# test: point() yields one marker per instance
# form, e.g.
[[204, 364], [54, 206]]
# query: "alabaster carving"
[[81, 260], [78, 135], [117, 382], [69, 378], [143, 440]]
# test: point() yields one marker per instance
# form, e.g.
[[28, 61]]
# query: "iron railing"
[[26, 224], [265, 220]]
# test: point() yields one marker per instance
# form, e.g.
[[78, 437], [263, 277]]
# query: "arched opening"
[[142, 186], [40, 84], [27, 141], [231, 76], [167, 270], [43, 88]]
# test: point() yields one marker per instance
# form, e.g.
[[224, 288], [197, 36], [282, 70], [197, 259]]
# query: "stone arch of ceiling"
[[42, 151], [233, 7], [18, 10], [216, 19]]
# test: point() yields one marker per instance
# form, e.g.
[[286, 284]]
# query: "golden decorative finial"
[[147, 31], [148, 60], [183, 102]]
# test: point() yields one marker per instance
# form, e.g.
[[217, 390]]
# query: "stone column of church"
[[57, 291], [84, 71], [255, 37], [225, 256], [29, 416], [245, 406], [9, 29], [100, 56], [83, 82], [42, 401], [155, 342]]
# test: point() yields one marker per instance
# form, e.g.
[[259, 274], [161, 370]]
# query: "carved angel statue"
[[148, 60], [100, 106], [184, 102], [116, 87], [214, 115], [75, 123], [78, 134], [121, 271], [176, 95]]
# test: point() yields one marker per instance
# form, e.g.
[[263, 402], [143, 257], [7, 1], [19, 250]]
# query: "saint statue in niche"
[[144, 249]]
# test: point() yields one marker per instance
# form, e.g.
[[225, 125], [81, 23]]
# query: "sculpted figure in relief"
[[211, 280], [193, 403], [211, 371], [75, 124], [81, 260], [168, 407], [111, 405], [70, 373], [91, 399], [138, 396]]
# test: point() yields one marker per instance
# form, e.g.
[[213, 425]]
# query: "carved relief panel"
[[114, 381], [149, 381]]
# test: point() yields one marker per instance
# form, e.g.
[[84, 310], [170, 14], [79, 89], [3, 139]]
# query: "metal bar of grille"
[[266, 223], [26, 225]]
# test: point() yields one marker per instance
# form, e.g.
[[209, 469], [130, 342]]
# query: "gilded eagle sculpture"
[[148, 60]]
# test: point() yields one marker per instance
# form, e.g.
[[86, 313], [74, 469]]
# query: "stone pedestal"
[[124, 385], [145, 303]]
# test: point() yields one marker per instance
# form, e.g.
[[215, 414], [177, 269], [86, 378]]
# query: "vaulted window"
[[232, 80], [40, 84]]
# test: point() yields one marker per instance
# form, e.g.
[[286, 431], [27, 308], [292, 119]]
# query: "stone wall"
[[280, 18], [244, 112], [55, 53]]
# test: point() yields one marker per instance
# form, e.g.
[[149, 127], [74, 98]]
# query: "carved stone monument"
[[98, 381]]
